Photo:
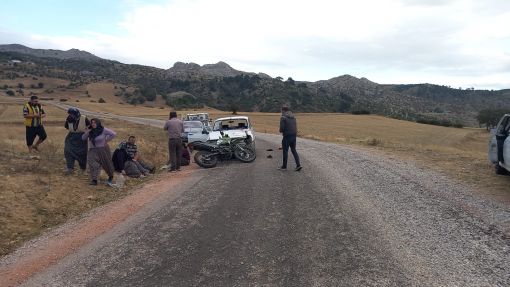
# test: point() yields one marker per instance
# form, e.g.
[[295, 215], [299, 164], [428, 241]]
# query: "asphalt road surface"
[[351, 217]]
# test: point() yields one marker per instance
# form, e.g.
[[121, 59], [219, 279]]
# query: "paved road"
[[350, 218]]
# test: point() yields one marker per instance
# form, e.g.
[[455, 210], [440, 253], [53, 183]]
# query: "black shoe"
[[93, 182], [298, 168], [282, 168]]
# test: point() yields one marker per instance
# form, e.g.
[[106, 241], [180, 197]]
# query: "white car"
[[234, 127], [203, 117], [195, 131], [499, 146]]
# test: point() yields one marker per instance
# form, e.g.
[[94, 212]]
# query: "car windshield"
[[230, 124], [192, 125]]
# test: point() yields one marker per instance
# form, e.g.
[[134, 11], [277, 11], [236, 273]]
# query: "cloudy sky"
[[463, 43]]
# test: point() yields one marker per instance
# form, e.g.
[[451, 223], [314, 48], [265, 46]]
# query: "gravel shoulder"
[[352, 217]]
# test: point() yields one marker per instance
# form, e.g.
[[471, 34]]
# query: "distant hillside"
[[223, 87], [57, 54]]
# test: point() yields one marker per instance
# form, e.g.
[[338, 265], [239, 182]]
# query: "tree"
[[290, 81], [234, 108], [490, 117], [149, 93], [279, 78]]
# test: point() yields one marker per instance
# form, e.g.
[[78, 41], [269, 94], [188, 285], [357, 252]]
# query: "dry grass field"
[[35, 194]]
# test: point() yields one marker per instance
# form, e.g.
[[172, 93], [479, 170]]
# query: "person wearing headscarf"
[[75, 148], [99, 155]]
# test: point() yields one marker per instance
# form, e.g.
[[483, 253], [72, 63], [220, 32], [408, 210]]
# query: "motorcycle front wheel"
[[245, 154], [206, 159]]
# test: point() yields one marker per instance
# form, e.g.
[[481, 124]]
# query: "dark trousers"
[[32, 132], [289, 141], [174, 153]]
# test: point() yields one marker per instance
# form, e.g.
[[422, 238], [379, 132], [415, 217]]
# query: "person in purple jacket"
[[99, 155]]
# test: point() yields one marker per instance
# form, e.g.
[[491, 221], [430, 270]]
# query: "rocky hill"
[[48, 53], [223, 87]]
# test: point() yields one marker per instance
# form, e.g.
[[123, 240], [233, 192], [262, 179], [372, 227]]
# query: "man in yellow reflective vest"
[[33, 114]]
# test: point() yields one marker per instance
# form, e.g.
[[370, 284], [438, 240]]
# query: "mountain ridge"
[[49, 53], [223, 87]]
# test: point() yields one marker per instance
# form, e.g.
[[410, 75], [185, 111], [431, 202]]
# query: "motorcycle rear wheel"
[[206, 159], [246, 154]]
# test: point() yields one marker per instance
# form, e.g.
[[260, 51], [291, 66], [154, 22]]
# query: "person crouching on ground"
[[174, 128], [33, 114], [134, 165], [75, 148], [186, 156], [288, 128], [99, 155]]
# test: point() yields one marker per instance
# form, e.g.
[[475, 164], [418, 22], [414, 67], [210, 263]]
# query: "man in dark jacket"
[[288, 128]]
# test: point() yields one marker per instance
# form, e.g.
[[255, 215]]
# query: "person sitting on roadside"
[[99, 155], [127, 159], [75, 148], [33, 114]]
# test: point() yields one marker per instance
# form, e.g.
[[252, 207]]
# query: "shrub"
[[360, 112], [102, 101], [373, 142], [40, 85], [21, 86], [10, 93], [63, 100]]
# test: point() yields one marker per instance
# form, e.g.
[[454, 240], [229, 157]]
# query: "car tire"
[[500, 170]]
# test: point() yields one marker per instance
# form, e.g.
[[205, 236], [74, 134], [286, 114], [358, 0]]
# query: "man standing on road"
[[288, 128], [175, 128], [33, 114]]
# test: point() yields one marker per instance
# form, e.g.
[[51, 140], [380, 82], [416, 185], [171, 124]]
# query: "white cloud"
[[458, 43]]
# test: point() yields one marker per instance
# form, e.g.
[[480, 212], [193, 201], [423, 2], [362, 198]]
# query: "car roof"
[[233, 118]]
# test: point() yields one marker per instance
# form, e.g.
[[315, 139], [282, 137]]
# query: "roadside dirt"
[[39, 254]]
